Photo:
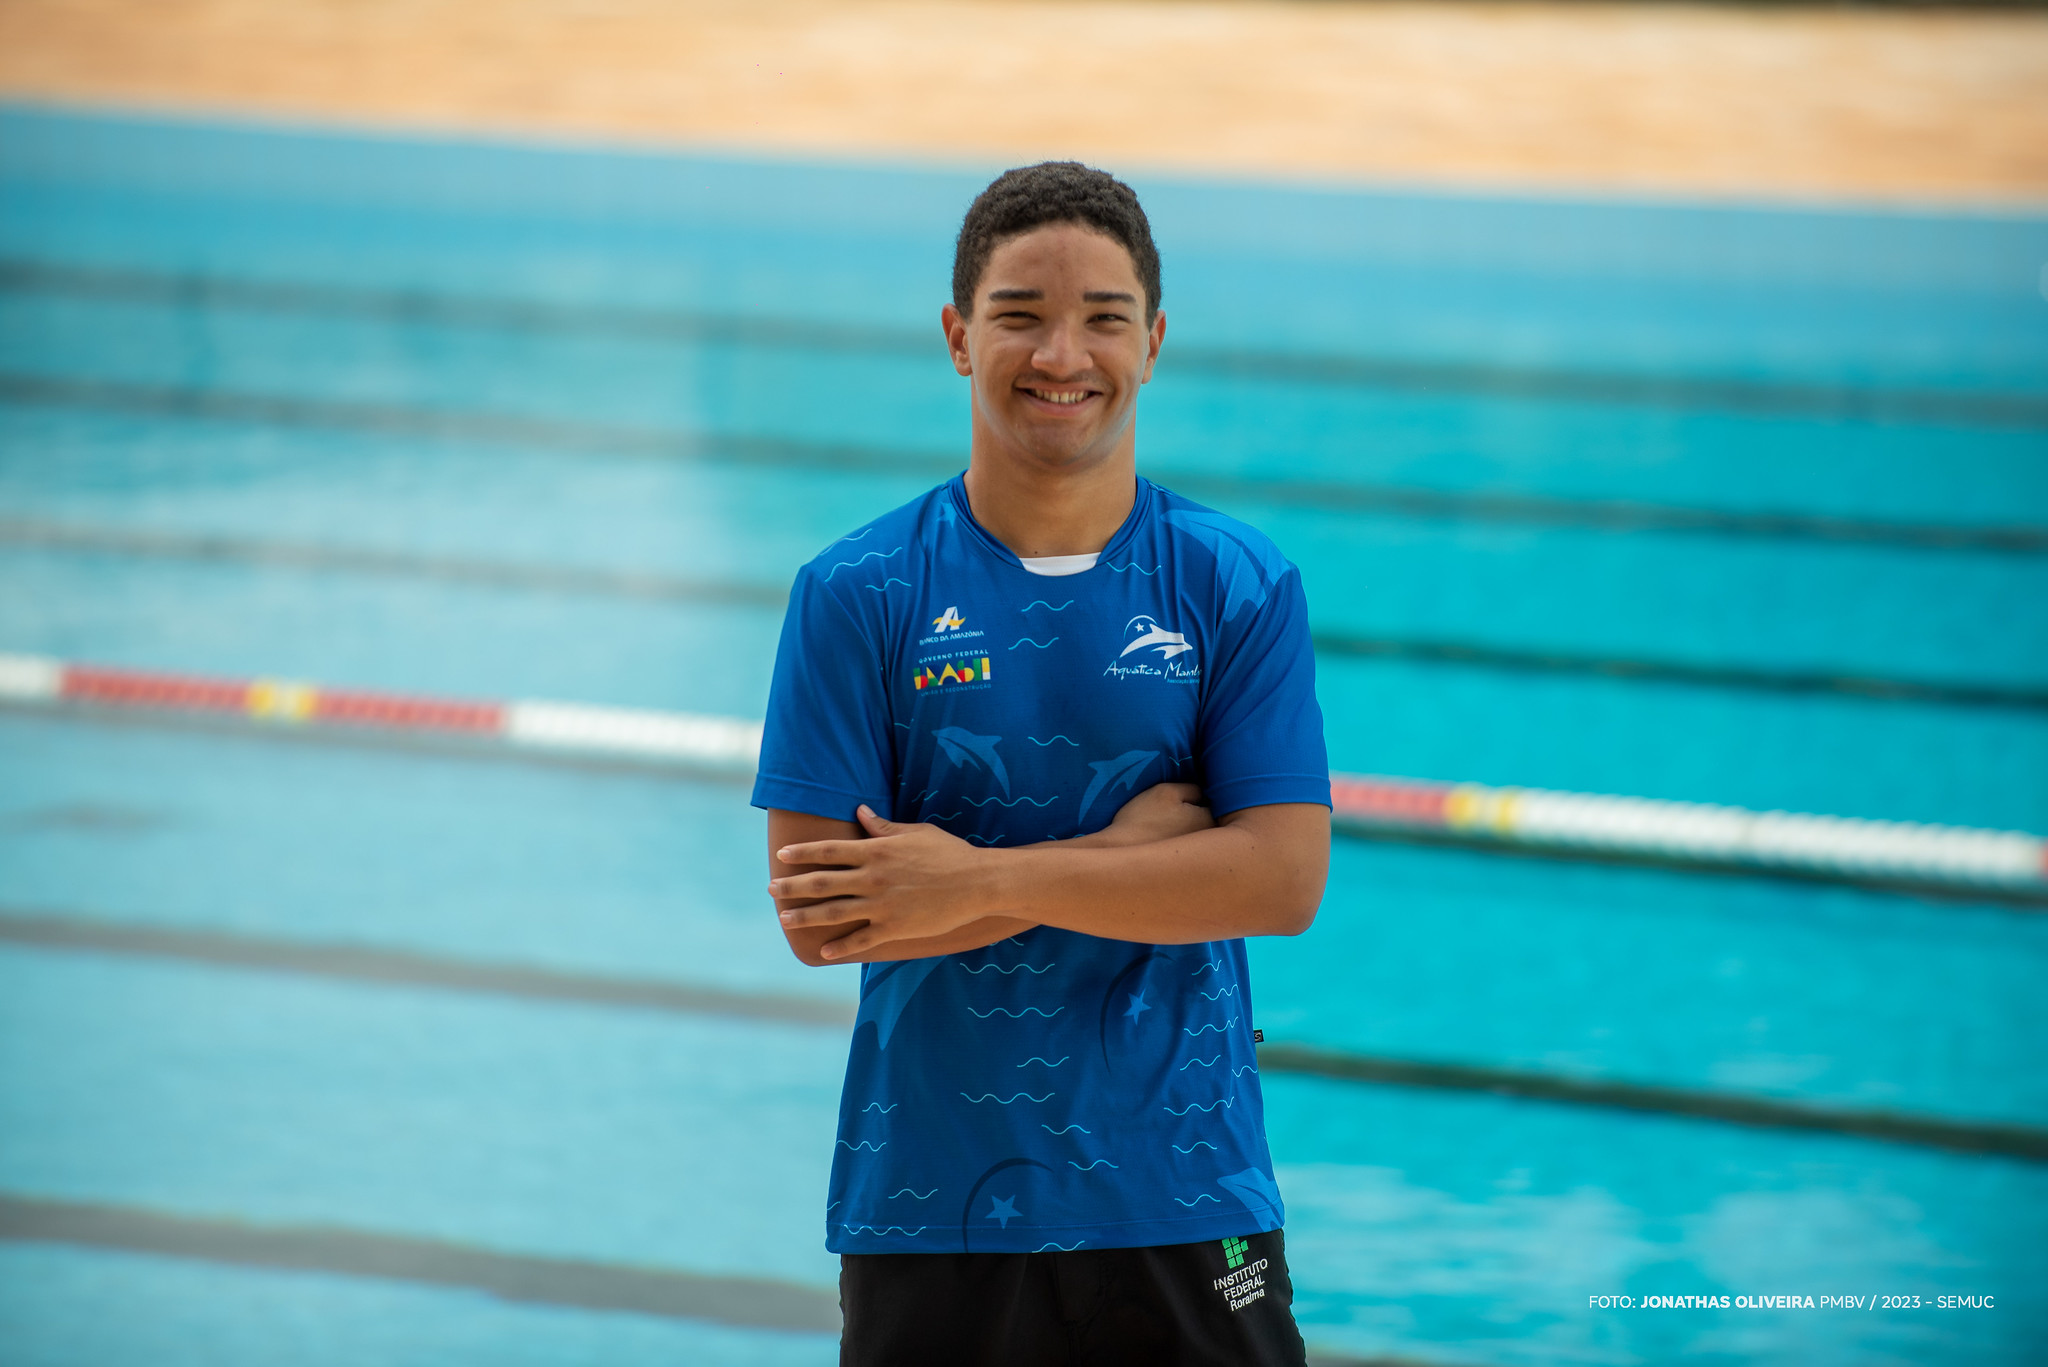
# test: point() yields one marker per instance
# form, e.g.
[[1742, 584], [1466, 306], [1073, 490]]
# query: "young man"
[[1051, 1147]]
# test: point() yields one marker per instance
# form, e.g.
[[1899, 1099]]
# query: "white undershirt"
[[1060, 564]]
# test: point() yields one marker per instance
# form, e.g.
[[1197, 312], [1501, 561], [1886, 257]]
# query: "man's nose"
[[1063, 352]]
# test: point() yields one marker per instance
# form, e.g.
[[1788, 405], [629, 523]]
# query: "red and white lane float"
[[1695, 833], [676, 737]]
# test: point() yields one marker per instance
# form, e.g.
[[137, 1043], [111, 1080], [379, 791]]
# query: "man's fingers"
[[820, 883], [860, 942], [837, 911], [822, 852]]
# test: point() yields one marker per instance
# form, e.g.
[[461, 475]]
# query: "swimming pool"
[[237, 364]]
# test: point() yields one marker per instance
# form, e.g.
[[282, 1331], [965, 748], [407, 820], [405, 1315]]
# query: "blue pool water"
[[1887, 369]]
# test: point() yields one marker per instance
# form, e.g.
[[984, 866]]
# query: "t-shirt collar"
[[1141, 508]]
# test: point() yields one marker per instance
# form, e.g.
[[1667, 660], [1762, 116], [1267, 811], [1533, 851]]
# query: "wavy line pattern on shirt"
[[1034, 801], [1198, 1144], [1197, 1106], [1042, 645], [1220, 992], [1015, 1015], [911, 1192], [864, 1145], [1216, 964], [1242, 1069], [1068, 739], [886, 1229], [1041, 603], [1119, 569], [1204, 1196], [828, 1209], [1050, 1130], [929, 792], [1064, 1248], [878, 1106], [999, 968], [996, 841], [1098, 1163], [1012, 1099], [1047, 1062], [883, 587], [855, 536], [1205, 1029], [871, 555], [1203, 1062]]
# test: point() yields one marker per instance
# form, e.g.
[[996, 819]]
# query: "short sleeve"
[[826, 745], [1261, 732]]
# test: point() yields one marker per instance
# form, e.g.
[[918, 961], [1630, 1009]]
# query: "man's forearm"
[[975, 934], [980, 934], [1260, 875]]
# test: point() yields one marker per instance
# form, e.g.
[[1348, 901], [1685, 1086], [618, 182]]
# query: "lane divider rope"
[[1701, 833]]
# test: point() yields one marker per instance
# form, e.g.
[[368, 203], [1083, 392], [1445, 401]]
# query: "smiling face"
[[1056, 349]]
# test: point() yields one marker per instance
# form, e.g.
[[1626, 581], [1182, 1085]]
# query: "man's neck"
[[1038, 512]]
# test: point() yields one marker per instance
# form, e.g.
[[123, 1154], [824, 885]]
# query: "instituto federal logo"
[[949, 620], [1155, 651]]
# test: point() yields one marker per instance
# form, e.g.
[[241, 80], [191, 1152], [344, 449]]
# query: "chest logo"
[[1152, 636], [933, 675], [1153, 651], [949, 620]]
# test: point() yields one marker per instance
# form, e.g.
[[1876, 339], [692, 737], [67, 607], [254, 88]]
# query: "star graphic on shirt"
[[1004, 1210], [1139, 1006]]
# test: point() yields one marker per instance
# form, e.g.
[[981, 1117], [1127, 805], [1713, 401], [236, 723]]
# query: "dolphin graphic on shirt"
[[1110, 774], [970, 751], [1168, 643]]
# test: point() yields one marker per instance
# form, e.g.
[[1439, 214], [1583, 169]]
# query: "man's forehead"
[[1059, 257]]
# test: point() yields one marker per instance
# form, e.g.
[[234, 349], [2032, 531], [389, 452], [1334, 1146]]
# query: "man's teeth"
[[1061, 395]]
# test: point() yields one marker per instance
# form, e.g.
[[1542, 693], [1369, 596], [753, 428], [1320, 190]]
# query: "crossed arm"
[[1163, 872]]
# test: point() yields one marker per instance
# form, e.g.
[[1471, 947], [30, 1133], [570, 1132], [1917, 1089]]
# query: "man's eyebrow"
[[1109, 297], [1015, 294]]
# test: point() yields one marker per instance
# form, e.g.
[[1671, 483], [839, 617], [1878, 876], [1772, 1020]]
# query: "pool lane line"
[[410, 968], [364, 963], [208, 548], [578, 1283], [571, 437], [1847, 849], [2005, 1141], [211, 548], [196, 291], [523, 1278], [1863, 687]]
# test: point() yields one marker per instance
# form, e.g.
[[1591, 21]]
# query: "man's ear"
[[956, 338], [1153, 343]]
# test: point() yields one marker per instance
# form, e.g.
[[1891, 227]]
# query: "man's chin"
[[1061, 451]]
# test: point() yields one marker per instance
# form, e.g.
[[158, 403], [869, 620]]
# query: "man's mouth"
[[1060, 396]]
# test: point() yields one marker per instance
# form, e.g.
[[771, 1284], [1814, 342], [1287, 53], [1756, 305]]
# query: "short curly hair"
[[1028, 197]]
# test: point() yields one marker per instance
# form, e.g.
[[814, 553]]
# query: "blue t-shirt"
[[1054, 1089]]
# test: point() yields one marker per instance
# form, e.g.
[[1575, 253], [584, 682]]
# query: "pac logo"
[[955, 672], [949, 620]]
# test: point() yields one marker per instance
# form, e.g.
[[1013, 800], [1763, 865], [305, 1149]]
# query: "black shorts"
[[1222, 1302]]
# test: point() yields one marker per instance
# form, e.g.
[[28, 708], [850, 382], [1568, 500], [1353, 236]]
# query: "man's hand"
[[907, 881], [1161, 812]]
